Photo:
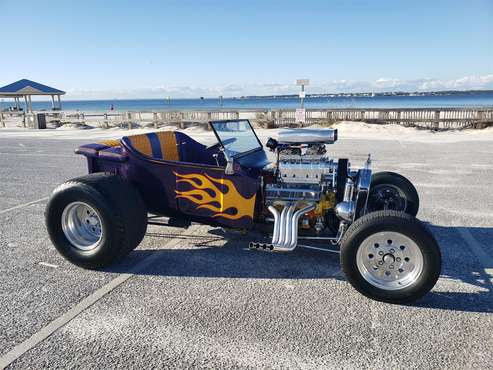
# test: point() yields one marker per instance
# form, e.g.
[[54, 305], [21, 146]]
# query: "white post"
[[59, 103], [154, 119], [30, 104], [25, 101], [52, 102]]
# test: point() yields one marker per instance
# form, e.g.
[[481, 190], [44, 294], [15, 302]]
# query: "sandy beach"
[[347, 129]]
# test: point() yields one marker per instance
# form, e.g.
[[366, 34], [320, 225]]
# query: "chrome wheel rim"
[[82, 226], [389, 260], [387, 196]]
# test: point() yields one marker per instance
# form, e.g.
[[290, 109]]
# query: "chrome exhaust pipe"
[[283, 224], [285, 235], [293, 242], [277, 216], [289, 239]]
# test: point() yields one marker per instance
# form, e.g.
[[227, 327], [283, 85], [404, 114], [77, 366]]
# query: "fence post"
[[380, 116], [436, 122], [129, 117], [154, 119], [1, 119], [105, 121], [209, 118]]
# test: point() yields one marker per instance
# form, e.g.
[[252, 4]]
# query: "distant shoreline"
[[374, 94], [324, 95], [383, 100]]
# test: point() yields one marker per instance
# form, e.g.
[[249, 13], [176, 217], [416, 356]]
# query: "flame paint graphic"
[[230, 199]]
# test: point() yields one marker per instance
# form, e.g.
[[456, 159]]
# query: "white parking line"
[[56, 324], [484, 258], [48, 265], [23, 205]]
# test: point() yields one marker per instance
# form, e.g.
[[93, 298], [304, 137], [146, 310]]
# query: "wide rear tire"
[[392, 191], [95, 219], [390, 256]]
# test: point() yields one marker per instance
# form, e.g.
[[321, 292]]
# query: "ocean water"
[[426, 101]]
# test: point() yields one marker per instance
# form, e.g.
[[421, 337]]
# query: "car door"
[[207, 192]]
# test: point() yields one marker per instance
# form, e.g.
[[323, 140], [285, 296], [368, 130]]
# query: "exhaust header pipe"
[[285, 235]]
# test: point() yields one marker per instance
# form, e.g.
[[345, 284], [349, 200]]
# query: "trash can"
[[39, 121]]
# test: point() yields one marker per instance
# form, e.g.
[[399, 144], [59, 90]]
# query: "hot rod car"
[[301, 198]]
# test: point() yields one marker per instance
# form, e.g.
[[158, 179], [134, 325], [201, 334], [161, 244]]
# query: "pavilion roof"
[[28, 87]]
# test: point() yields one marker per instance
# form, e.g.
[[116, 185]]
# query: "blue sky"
[[118, 49]]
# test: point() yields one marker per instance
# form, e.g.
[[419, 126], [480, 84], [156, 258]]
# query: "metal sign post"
[[300, 113], [302, 82]]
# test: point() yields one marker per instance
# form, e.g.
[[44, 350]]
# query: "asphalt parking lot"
[[191, 298]]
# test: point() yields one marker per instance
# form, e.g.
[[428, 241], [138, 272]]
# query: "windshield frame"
[[237, 155]]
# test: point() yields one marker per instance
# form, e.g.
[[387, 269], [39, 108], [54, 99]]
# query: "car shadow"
[[210, 257]]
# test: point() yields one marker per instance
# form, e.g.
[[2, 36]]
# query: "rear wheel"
[[392, 191], [95, 219], [390, 256]]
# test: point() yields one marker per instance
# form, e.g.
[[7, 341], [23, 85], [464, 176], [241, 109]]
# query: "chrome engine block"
[[303, 173], [306, 169]]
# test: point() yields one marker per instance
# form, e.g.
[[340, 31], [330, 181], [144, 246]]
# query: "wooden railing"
[[431, 118]]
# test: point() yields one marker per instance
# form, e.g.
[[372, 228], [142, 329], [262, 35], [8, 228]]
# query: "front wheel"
[[390, 256], [392, 191]]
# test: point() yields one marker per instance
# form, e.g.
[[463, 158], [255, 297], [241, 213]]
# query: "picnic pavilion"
[[26, 89]]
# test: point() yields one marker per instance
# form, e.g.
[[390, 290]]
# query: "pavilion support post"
[[59, 102], [2, 122], [30, 104], [27, 106], [53, 102]]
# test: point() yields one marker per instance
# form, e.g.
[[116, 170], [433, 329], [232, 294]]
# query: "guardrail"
[[431, 118]]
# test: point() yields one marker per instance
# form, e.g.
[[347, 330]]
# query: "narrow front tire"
[[390, 256]]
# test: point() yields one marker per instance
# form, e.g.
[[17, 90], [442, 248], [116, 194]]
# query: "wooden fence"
[[430, 118]]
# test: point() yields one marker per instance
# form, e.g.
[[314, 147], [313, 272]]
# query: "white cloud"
[[336, 86]]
